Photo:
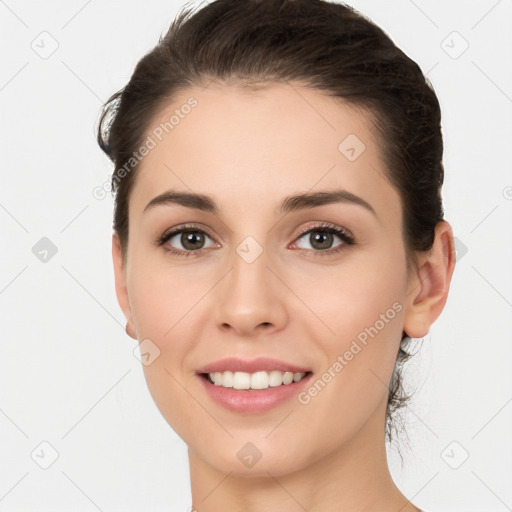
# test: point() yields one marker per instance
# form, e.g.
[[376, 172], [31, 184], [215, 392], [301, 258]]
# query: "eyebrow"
[[292, 203]]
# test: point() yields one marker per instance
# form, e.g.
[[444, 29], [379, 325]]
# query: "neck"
[[353, 478]]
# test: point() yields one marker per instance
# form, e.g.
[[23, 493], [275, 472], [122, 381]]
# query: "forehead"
[[244, 145]]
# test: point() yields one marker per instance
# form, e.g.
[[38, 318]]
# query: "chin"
[[245, 458]]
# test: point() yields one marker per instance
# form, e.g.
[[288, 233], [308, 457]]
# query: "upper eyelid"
[[326, 226], [186, 227]]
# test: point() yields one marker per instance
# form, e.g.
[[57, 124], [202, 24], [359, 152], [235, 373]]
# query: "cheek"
[[364, 293], [161, 298], [369, 309], [164, 303]]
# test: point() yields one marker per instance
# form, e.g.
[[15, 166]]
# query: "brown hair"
[[327, 46]]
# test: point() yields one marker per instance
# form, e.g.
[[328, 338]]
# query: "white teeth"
[[241, 380], [275, 378], [226, 379], [288, 378], [258, 380]]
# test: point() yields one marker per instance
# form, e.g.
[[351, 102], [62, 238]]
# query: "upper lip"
[[235, 364]]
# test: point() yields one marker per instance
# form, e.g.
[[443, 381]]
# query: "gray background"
[[68, 375]]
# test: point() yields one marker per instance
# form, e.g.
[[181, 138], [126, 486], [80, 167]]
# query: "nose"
[[250, 299]]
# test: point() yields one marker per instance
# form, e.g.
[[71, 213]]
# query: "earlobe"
[[429, 289], [129, 331], [121, 286]]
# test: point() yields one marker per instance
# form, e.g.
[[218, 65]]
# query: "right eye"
[[185, 241]]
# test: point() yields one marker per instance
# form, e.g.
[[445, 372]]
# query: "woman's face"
[[263, 276]]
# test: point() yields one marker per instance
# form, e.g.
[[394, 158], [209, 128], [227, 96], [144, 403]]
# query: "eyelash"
[[322, 227]]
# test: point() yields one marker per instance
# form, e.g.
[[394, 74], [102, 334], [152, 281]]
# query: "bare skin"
[[248, 150]]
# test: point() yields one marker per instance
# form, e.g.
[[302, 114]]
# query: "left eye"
[[322, 239]]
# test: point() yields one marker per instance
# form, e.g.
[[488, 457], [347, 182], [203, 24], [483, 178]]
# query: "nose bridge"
[[249, 296], [249, 268], [249, 277]]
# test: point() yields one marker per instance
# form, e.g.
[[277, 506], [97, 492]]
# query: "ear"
[[428, 288], [121, 288]]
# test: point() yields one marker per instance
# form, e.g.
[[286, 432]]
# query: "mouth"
[[257, 381], [253, 393], [252, 385]]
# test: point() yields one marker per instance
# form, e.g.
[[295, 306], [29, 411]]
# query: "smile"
[[256, 381]]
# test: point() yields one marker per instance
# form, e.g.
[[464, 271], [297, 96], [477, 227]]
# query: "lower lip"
[[253, 400]]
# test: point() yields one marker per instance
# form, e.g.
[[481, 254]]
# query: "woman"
[[278, 238]]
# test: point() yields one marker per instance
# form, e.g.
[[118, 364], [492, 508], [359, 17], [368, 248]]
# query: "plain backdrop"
[[78, 428]]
